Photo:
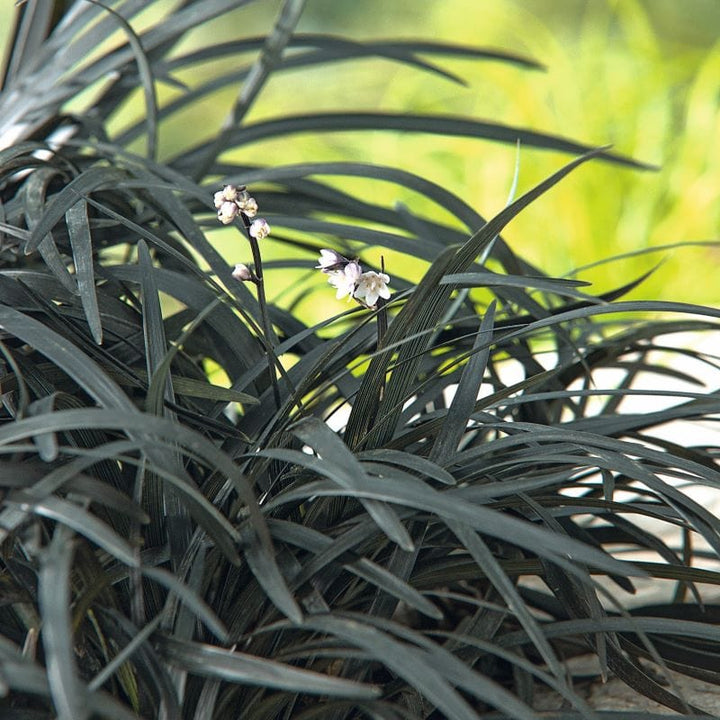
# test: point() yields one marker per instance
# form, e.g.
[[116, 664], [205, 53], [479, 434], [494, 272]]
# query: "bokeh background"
[[643, 75]]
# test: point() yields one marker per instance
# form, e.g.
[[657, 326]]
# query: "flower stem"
[[382, 326], [270, 338]]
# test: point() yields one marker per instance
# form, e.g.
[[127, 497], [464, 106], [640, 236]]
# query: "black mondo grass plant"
[[424, 506]]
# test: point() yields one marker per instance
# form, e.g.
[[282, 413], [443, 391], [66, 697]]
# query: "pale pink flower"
[[370, 286]]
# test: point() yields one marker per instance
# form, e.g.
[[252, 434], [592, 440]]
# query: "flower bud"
[[242, 273], [331, 261], [228, 194], [249, 206], [227, 212], [259, 229]]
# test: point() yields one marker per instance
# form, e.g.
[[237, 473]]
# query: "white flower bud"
[[259, 229], [331, 261], [227, 212], [249, 206], [242, 272], [228, 194]]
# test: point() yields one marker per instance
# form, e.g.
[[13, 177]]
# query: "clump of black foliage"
[[419, 511]]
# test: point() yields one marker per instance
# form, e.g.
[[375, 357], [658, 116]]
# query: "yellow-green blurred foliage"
[[643, 75]]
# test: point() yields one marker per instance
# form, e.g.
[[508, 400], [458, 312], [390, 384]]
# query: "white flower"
[[227, 194], [344, 280], [227, 212], [242, 272], [238, 197], [259, 229], [331, 261], [371, 286], [248, 205]]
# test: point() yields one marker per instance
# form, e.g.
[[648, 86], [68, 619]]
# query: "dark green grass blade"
[[31, 26], [190, 599], [115, 665], [36, 480], [233, 666], [78, 228], [146, 75], [434, 124], [439, 194], [487, 279], [348, 472], [463, 403], [663, 627], [421, 313], [151, 433], [92, 179], [269, 59], [619, 456], [328, 550], [461, 675], [68, 690], [485, 559], [154, 332], [418, 668], [34, 196], [416, 463], [23, 676], [260, 556], [455, 506], [325, 49], [72, 42], [457, 50], [243, 347], [150, 430], [84, 523], [46, 443], [55, 347], [336, 47], [460, 640], [368, 427]]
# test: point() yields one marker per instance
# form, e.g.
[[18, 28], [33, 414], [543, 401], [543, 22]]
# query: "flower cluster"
[[232, 201], [348, 278]]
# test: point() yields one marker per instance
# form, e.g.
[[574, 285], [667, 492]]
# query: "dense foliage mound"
[[215, 505]]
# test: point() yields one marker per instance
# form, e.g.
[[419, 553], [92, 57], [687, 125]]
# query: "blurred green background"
[[643, 75]]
